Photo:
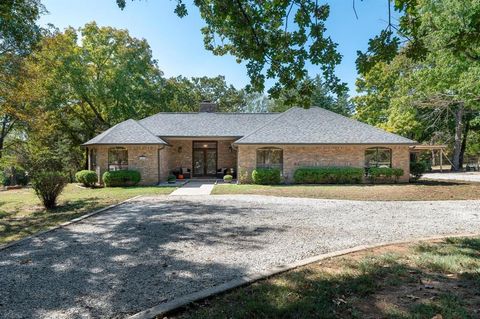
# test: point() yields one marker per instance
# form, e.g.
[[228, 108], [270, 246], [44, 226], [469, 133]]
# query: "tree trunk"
[[457, 145], [464, 141]]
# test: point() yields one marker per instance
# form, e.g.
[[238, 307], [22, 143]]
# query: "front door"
[[204, 158]]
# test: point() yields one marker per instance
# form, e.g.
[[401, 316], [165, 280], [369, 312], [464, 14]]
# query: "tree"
[[439, 74], [18, 35], [95, 77], [184, 95], [275, 38], [321, 96]]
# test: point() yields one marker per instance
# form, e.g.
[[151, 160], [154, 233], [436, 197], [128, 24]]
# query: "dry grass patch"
[[425, 190], [21, 213], [440, 278]]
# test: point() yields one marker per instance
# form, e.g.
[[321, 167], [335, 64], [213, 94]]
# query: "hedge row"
[[121, 178], [385, 174], [328, 175], [266, 176]]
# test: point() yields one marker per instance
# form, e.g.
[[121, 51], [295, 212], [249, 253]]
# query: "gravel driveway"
[[155, 249]]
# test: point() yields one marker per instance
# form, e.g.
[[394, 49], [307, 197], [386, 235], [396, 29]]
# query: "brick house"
[[207, 144]]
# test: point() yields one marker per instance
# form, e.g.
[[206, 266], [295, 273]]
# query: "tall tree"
[[276, 39], [442, 48]]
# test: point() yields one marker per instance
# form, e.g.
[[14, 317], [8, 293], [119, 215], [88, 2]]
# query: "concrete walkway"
[[194, 188]]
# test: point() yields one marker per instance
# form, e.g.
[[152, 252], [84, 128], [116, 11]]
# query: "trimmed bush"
[[13, 176], [87, 178], [385, 174], [266, 176], [171, 178], [228, 178], [121, 178], [328, 175], [417, 169], [48, 186]]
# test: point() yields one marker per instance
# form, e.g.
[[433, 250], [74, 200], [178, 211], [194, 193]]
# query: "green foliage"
[[86, 177], [13, 176], [328, 175], [171, 178], [321, 96], [121, 178], [417, 169], [384, 174], [18, 28], [276, 39], [48, 186], [228, 178], [266, 176]]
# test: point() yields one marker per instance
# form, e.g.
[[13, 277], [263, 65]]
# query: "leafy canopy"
[[276, 39]]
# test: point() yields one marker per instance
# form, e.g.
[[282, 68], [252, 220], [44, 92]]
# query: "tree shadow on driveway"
[[126, 260]]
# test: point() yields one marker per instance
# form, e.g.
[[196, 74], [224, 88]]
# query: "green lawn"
[[425, 190], [400, 282], [21, 213]]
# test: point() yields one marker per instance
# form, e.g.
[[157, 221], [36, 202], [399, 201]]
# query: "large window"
[[270, 158], [378, 157], [117, 158]]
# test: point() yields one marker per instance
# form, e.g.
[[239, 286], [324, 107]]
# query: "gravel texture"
[[458, 176], [151, 250]]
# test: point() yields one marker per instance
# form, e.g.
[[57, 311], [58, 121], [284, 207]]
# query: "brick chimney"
[[207, 106]]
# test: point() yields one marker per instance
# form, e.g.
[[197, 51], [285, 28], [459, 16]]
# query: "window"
[[93, 159], [378, 157], [117, 158], [270, 158]]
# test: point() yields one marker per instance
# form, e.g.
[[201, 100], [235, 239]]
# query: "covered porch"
[[199, 158]]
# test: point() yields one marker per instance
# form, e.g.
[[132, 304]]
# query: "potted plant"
[[227, 178], [171, 179]]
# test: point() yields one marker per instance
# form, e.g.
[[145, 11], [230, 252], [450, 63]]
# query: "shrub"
[[86, 177], [417, 169], [48, 186], [227, 178], [328, 175], [387, 174], [266, 176], [13, 176], [171, 178], [121, 178]]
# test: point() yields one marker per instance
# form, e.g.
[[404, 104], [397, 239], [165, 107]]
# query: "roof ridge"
[[268, 122], [146, 129], [363, 123]]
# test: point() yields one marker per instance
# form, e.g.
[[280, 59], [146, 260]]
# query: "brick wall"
[[320, 155], [148, 167]]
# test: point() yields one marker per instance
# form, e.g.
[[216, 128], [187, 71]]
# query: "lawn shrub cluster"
[[328, 175], [417, 169], [384, 174], [228, 178], [48, 185], [86, 178], [15, 176], [121, 178], [266, 176]]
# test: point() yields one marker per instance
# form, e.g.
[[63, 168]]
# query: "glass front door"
[[204, 159]]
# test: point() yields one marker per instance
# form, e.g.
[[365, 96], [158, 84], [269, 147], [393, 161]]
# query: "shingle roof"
[[127, 132], [319, 126], [203, 124]]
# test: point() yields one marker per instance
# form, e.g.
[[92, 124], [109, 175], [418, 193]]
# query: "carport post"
[[441, 160]]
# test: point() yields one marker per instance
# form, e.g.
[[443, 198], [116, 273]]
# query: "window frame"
[[117, 166], [378, 163], [267, 165]]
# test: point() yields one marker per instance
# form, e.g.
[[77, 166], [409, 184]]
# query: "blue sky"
[[177, 44]]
